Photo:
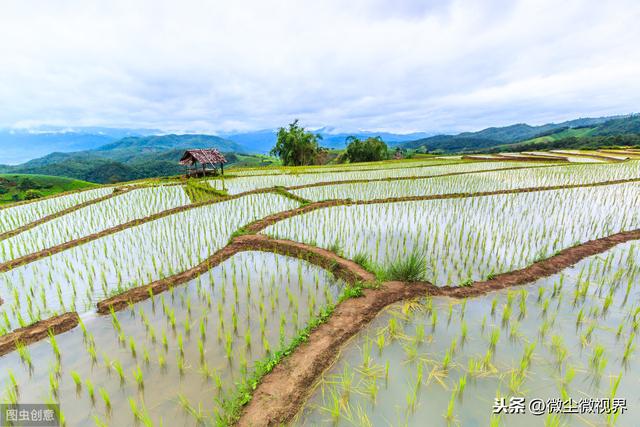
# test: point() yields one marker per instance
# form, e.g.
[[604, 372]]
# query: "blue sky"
[[400, 65]]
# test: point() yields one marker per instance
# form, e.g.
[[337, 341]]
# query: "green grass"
[[14, 187], [411, 268], [198, 191]]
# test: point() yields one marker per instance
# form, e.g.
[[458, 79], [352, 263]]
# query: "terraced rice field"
[[416, 290]]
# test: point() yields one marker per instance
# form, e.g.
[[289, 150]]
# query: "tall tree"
[[369, 150], [296, 146]]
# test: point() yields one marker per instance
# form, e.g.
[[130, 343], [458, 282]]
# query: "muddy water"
[[261, 288], [358, 391]]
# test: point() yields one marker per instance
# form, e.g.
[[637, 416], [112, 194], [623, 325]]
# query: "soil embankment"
[[38, 331]]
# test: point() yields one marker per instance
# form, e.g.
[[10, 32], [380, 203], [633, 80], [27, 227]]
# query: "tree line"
[[295, 146]]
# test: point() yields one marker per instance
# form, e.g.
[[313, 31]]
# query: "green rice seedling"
[[23, 352], [105, 396], [165, 341], [139, 377], [448, 416], [53, 383], [118, 367], [132, 347], [247, 339], [54, 344], [201, 350], [228, 344], [90, 391], [180, 343], [494, 337], [446, 361], [197, 414], [516, 380], [162, 362], [598, 359], [14, 383], [628, 348], [77, 380]]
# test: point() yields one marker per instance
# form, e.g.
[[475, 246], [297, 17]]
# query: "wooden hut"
[[203, 162]]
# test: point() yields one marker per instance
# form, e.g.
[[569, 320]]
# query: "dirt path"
[[38, 331]]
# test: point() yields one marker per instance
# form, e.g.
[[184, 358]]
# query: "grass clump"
[[412, 268]]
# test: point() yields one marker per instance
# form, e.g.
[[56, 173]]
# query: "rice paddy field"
[[435, 291]]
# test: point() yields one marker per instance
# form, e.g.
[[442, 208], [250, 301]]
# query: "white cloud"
[[405, 65]]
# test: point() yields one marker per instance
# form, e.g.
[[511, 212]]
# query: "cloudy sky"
[[401, 65]]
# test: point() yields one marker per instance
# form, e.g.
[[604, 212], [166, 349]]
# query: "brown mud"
[[38, 331]]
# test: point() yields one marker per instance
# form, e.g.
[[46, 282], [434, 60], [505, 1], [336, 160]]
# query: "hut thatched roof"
[[202, 156]]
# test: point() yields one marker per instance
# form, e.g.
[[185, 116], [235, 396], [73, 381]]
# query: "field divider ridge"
[[38, 331]]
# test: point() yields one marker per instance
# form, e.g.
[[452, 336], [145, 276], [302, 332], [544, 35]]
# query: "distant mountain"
[[21, 145], [499, 136], [262, 141], [126, 159]]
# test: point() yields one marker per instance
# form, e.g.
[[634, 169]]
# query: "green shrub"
[[32, 194]]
